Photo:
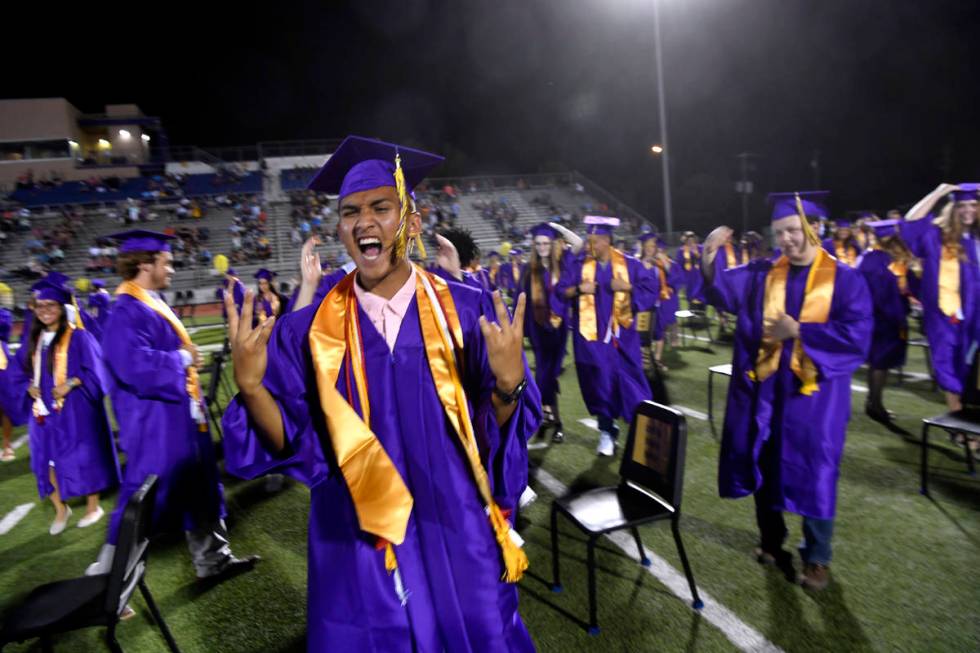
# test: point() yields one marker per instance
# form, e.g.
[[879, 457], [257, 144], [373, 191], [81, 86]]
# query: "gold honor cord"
[[949, 282], [730, 260], [540, 305], [78, 314], [140, 294], [622, 313], [60, 364], [817, 300], [401, 236]]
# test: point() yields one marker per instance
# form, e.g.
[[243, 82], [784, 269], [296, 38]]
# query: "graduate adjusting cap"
[[543, 229], [884, 228], [600, 224], [968, 191], [50, 291], [141, 240]]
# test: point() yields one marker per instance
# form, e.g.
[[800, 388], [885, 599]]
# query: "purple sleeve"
[[646, 286], [571, 274], [85, 360], [503, 447], [839, 346], [147, 372], [916, 235], [290, 380], [887, 299], [730, 285]]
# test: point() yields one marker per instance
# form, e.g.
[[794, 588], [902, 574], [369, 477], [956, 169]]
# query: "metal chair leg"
[[644, 560], [675, 529], [555, 572], [924, 470], [111, 641], [151, 604], [593, 621]]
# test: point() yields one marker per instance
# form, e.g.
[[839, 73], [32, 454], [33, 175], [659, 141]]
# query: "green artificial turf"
[[904, 570]]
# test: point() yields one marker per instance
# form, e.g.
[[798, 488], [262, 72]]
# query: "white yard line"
[[19, 442], [12, 518], [739, 633]]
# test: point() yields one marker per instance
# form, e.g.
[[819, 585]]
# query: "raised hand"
[[620, 285], [782, 328], [309, 263], [505, 343], [448, 258], [248, 345], [715, 240]]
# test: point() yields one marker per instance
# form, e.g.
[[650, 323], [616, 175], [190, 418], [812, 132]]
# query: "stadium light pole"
[[661, 100]]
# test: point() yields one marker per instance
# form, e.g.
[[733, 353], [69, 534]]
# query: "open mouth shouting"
[[370, 247]]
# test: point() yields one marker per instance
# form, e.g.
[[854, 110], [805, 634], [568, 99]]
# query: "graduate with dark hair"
[[803, 328], [842, 244], [268, 301], [157, 400], [404, 402], [653, 254], [72, 450], [509, 276], [606, 289], [99, 302]]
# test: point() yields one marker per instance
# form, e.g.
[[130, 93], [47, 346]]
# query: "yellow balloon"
[[221, 263], [82, 284], [505, 248]]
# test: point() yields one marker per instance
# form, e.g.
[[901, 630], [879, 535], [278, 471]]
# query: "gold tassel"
[[807, 229], [391, 563], [401, 236], [515, 560]]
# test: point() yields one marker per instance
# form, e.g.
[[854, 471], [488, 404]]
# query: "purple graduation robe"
[[889, 339], [610, 374], [449, 561], [505, 278], [156, 429], [807, 431], [78, 438], [691, 279], [950, 342], [548, 342], [667, 308], [99, 303]]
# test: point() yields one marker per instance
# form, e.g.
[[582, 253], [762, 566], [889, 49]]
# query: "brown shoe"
[[763, 557], [815, 576]]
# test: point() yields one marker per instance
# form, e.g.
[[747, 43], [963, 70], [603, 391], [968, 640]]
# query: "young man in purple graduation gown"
[[887, 267], [406, 409], [803, 328], [509, 274], [606, 289], [99, 302], [60, 367], [156, 397], [949, 247]]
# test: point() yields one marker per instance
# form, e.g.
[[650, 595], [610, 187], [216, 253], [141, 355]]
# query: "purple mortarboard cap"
[[262, 273], [364, 163], [543, 229], [968, 191], [98, 283], [494, 253], [600, 224], [57, 278], [647, 236], [842, 224], [141, 240], [45, 290], [231, 272], [884, 228], [814, 203]]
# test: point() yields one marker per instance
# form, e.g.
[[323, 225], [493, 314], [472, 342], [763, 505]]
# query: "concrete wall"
[[38, 119], [10, 170]]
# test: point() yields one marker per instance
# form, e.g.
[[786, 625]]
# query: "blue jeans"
[[815, 547]]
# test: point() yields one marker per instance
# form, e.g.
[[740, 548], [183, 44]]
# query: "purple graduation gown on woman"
[[13, 382], [156, 429], [807, 431], [547, 342], [449, 561], [667, 308], [610, 374], [891, 308], [78, 438], [693, 282], [950, 344]]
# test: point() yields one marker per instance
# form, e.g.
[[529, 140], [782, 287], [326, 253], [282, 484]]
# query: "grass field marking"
[[739, 633], [13, 517], [19, 442], [690, 412]]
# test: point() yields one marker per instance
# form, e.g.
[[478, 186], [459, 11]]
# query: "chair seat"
[[683, 314], [59, 606], [964, 420], [611, 508], [725, 369]]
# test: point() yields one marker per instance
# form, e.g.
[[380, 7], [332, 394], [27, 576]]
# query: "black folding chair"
[[650, 488], [97, 600], [965, 422]]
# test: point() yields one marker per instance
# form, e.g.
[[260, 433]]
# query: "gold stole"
[[949, 281], [588, 323], [78, 314], [381, 499], [60, 364], [844, 253], [665, 290], [543, 314], [3, 359], [730, 260], [140, 294], [515, 271], [493, 274], [687, 258], [745, 257], [817, 299], [900, 270]]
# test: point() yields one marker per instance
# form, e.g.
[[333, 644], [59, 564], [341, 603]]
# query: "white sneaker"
[[58, 526], [91, 518], [528, 496], [607, 444]]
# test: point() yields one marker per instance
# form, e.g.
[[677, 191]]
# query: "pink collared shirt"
[[387, 314]]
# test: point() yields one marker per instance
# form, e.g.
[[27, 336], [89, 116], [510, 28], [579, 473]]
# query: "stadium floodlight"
[[657, 149], [124, 134], [103, 143], [72, 143], [146, 138]]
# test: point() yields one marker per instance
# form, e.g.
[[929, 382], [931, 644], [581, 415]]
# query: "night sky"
[[888, 91]]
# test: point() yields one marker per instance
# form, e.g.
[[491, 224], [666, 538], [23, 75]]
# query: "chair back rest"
[[131, 545], [653, 457]]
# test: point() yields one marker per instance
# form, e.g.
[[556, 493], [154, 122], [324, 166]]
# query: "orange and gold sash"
[[900, 270], [665, 290], [949, 281], [493, 274], [60, 365], [381, 499], [687, 258], [140, 294], [730, 260], [3, 359], [588, 323], [515, 271], [845, 254], [817, 299], [540, 304], [745, 257]]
